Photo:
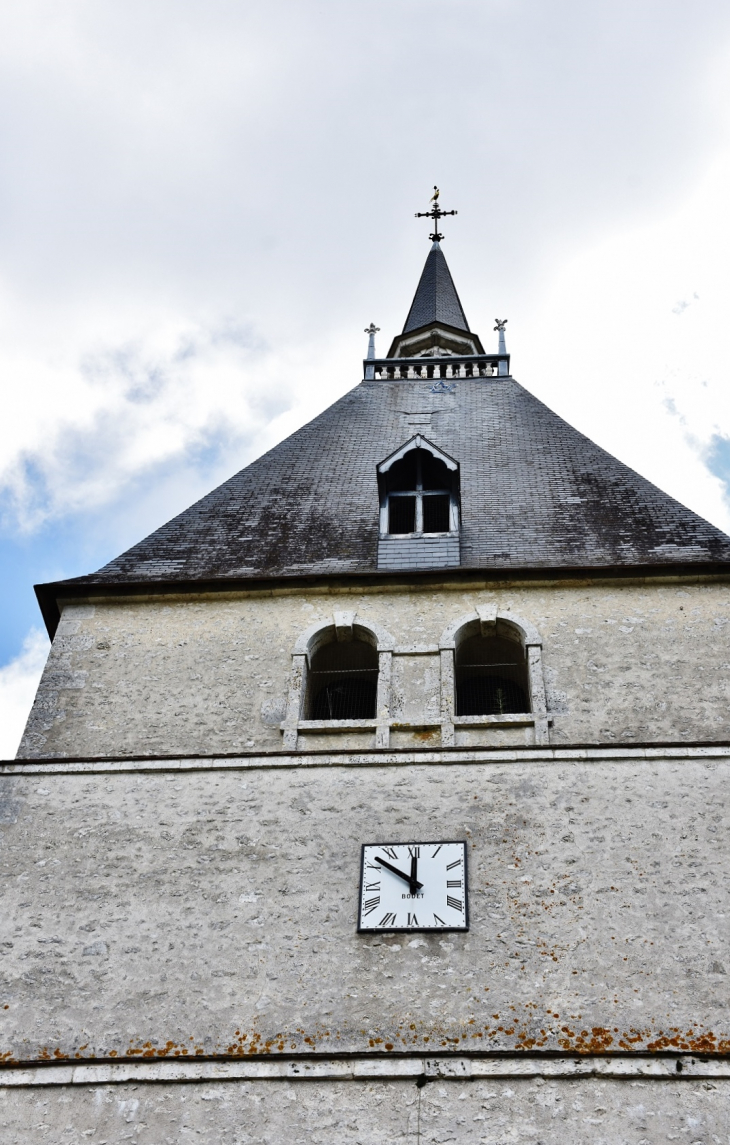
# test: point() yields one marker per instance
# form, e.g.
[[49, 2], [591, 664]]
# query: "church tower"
[[381, 795]]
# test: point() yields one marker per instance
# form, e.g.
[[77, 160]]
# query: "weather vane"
[[435, 213]]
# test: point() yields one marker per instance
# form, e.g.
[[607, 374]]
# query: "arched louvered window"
[[491, 676], [419, 492], [342, 681]]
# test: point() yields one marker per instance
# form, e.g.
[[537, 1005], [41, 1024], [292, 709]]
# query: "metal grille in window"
[[483, 690], [343, 682], [436, 513], [491, 678], [344, 697], [402, 515]]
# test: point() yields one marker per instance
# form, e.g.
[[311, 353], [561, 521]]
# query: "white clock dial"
[[413, 886]]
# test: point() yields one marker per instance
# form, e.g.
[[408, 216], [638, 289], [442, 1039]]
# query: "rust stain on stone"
[[526, 1036]]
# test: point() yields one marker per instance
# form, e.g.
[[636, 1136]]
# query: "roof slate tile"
[[436, 299], [534, 493]]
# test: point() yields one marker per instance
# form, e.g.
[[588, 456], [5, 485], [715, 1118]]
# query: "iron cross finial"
[[372, 329], [501, 323], [435, 213]]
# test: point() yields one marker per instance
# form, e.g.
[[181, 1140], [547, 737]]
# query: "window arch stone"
[[491, 622], [344, 626]]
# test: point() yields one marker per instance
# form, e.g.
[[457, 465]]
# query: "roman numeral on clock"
[[370, 904], [455, 904], [456, 863], [440, 920], [414, 852], [390, 852], [387, 920], [412, 920], [376, 886], [453, 882]]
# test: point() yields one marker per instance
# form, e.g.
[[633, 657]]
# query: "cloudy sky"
[[202, 205]]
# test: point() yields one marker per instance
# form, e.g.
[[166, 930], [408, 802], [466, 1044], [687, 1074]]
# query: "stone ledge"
[[334, 725], [372, 757], [456, 1068], [514, 720]]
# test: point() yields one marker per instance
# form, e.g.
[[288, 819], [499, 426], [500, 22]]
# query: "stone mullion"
[[538, 699], [297, 691], [447, 697], [382, 708]]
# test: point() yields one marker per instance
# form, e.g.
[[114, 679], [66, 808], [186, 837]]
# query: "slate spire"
[[436, 299]]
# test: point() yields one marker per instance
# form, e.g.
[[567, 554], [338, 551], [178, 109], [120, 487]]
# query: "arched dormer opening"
[[419, 491], [491, 677], [342, 680], [491, 672]]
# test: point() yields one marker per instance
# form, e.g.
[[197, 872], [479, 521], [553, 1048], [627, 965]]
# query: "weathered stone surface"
[[622, 663], [229, 1113], [574, 1112], [215, 911], [563, 1112]]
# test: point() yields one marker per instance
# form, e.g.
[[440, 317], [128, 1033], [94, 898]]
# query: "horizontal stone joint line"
[[363, 1067]]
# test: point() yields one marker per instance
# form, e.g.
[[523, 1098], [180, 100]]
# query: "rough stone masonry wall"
[[213, 912], [537, 1111], [622, 663]]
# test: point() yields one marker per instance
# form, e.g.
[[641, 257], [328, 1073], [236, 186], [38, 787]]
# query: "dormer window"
[[418, 491]]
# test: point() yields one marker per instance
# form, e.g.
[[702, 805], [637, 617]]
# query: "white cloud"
[[202, 207], [18, 684], [639, 357], [80, 434]]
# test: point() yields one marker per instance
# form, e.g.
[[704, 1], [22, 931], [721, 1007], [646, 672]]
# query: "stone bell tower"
[[381, 796]]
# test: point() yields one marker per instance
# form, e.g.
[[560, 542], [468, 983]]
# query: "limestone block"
[[548, 1111], [230, 1113], [622, 663], [214, 911]]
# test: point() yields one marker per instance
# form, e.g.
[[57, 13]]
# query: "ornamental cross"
[[371, 331], [435, 213]]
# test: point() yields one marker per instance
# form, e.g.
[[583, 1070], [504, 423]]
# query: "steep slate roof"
[[436, 299], [534, 493]]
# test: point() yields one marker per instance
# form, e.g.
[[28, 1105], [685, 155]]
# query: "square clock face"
[[413, 886]]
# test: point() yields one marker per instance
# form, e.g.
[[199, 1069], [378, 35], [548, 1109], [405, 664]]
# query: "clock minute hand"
[[401, 874]]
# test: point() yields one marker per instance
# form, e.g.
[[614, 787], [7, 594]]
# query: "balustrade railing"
[[446, 368]]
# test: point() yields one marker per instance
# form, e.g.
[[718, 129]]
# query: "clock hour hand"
[[401, 875], [414, 875]]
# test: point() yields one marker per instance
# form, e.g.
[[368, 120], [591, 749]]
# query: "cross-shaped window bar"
[[419, 496]]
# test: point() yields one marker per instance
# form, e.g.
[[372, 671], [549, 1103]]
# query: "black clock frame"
[[416, 929]]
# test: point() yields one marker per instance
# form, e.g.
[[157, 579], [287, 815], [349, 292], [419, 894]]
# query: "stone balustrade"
[[476, 366]]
